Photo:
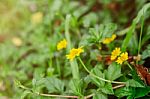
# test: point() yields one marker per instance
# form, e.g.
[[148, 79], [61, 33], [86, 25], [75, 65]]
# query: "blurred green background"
[[30, 30]]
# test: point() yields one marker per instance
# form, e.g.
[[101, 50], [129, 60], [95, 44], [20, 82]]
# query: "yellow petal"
[[62, 44]]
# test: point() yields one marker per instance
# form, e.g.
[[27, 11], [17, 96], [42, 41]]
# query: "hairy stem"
[[116, 82], [63, 96]]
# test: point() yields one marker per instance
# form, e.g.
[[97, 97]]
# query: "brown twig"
[[118, 86]]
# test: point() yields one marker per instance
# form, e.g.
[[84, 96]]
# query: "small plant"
[[75, 49]]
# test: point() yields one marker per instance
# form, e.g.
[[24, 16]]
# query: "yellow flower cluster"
[[74, 52], [116, 52], [62, 44], [121, 57], [110, 39], [37, 18]]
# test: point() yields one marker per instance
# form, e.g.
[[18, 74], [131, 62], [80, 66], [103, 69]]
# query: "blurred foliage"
[[31, 29]]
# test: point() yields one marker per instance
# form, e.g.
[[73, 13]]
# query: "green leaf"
[[107, 89], [108, 29], [97, 71], [54, 85], [99, 95], [17, 83], [24, 94], [124, 91], [132, 92], [146, 53], [146, 36], [38, 72], [98, 33], [130, 97], [75, 86], [142, 13], [131, 30], [90, 19], [84, 40], [136, 77], [113, 72], [133, 83], [94, 54], [140, 92]]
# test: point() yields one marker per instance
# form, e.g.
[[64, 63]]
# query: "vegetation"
[[85, 49]]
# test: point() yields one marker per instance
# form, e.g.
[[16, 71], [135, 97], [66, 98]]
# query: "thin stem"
[[62, 96], [129, 65], [128, 36], [119, 86], [52, 95], [58, 67], [89, 96], [59, 96], [142, 25], [140, 39], [74, 65], [116, 82], [67, 35], [26, 88]]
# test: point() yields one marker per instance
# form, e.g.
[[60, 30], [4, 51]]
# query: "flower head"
[[123, 57], [109, 39], [119, 61], [74, 52], [62, 44], [116, 52], [113, 37]]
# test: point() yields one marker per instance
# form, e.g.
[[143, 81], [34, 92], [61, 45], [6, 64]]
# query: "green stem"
[[116, 82], [58, 67], [58, 96], [74, 65], [53, 95], [67, 35], [139, 46], [128, 36], [62, 96], [129, 65]]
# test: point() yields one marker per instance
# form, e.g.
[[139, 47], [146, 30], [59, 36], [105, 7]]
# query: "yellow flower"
[[109, 39], [37, 18], [123, 57], [62, 44], [113, 57], [119, 61], [116, 52], [74, 52], [113, 37]]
